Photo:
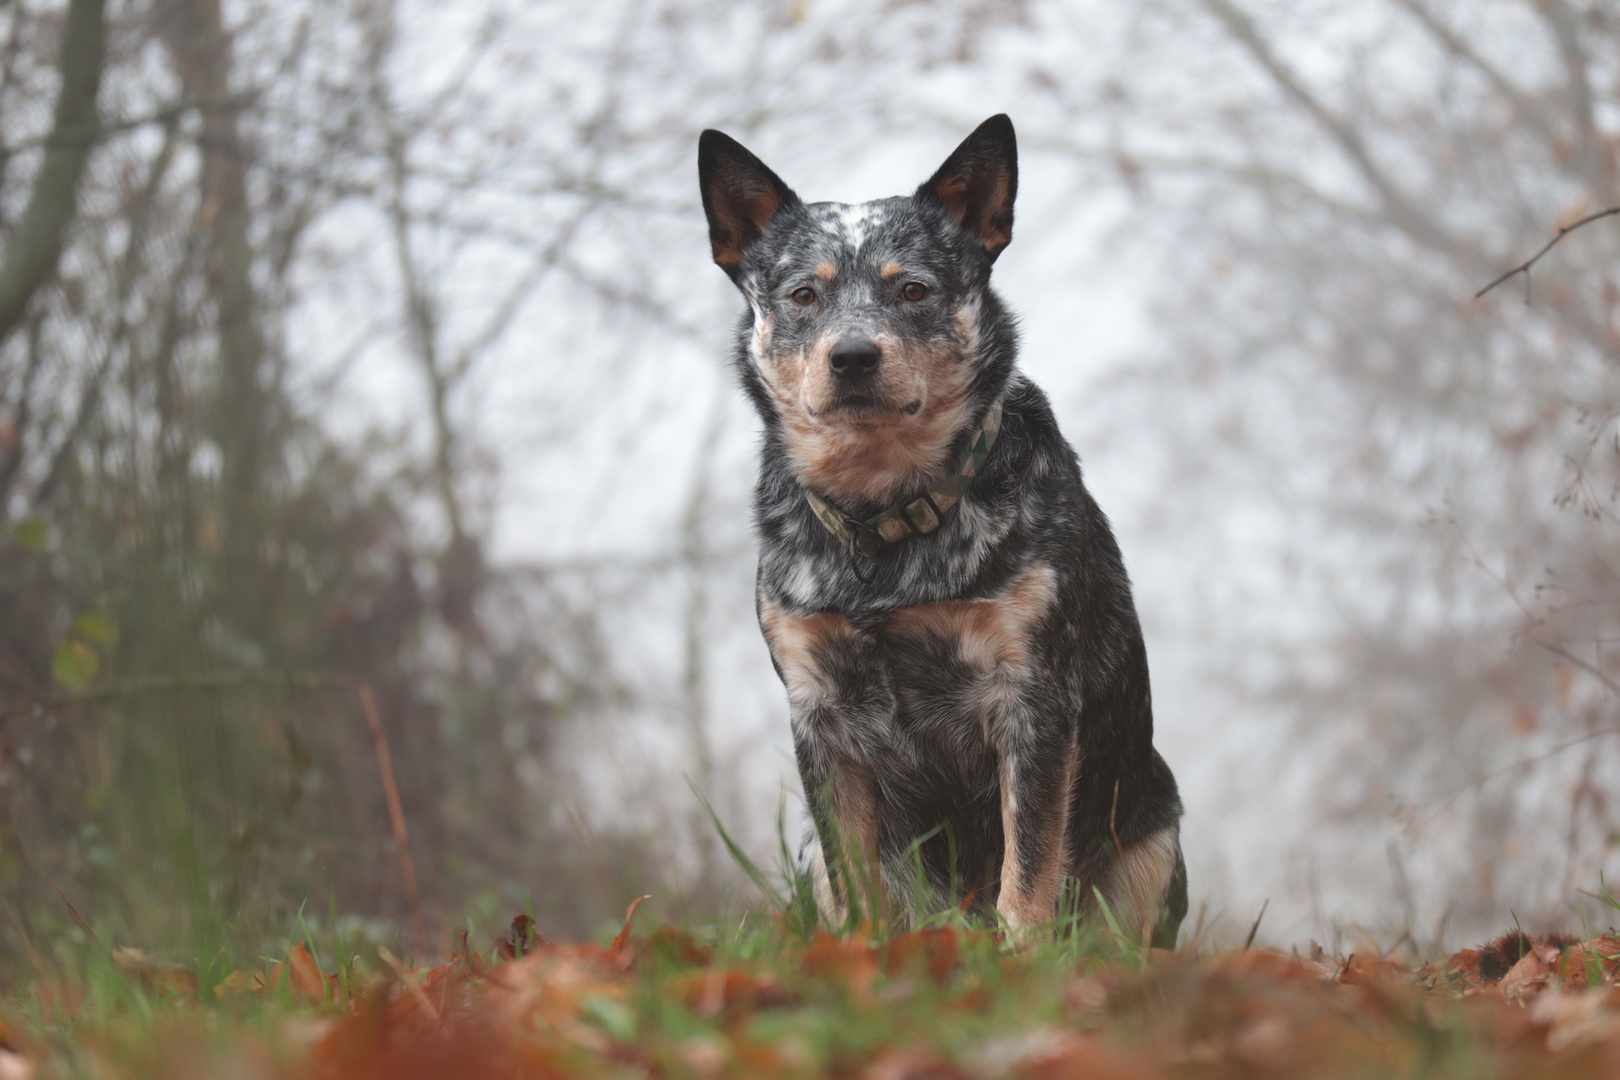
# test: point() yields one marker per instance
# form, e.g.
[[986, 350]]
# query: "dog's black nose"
[[853, 358]]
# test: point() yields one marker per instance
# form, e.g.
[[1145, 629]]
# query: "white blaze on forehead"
[[851, 222]]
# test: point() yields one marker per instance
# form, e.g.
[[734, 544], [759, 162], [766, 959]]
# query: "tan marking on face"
[[889, 453], [825, 271], [890, 270], [885, 454], [991, 633], [795, 640], [1029, 895]]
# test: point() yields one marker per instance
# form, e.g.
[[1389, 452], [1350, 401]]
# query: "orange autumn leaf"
[[155, 974], [623, 938], [306, 977], [717, 990]]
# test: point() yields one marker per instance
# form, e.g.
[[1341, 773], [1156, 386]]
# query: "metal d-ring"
[[854, 528]]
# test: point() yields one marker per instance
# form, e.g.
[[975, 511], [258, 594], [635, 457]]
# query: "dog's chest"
[[918, 674]]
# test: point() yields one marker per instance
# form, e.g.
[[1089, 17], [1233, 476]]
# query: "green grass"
[[783, 990]]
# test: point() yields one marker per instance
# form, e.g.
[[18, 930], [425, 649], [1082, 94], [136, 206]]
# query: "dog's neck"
[[871, 535]]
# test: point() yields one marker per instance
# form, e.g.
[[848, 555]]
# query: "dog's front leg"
[[1038, 759], [845, 807], [842, 706]]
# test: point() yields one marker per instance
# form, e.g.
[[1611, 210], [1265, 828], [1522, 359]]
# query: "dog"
[[942, 598]]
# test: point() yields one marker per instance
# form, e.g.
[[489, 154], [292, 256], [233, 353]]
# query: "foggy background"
[[379, 352]]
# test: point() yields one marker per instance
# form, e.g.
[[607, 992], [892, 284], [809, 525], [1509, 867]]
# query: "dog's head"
[[867, 344]]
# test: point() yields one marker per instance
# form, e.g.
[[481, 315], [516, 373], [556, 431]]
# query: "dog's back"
[[942, 597]]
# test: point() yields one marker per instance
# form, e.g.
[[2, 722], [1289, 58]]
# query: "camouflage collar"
[[918, 517]]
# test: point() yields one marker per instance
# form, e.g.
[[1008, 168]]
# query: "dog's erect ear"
[[740, 196], [978, 182]]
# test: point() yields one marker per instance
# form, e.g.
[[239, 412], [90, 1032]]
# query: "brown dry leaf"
[[57, 998], [1577, 1020], [1360, 968], [1532, 973], [848, 961], [1464, 967], [623, 938], [1047, 1053], [1262, 963], [239, 982], [706, 1055], [155, 974], [547, 991], [718, 990], [933, 949], [417, 998], [306, 976], [14, 1066], [913, 1065], [1087, 996]]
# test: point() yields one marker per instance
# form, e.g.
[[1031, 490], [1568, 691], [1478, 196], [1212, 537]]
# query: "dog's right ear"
[[740, 196], [978, 182]]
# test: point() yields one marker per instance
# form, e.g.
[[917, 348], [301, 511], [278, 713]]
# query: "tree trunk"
[[36, 244], [195, 34]]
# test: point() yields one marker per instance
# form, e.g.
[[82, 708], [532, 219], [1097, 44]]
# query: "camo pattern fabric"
[[920, 516]]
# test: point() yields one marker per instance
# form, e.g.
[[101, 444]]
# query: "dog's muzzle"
[[854, 359]]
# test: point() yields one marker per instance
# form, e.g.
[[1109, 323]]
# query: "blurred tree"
[[1336, 183], [196, 572], [35, 244]]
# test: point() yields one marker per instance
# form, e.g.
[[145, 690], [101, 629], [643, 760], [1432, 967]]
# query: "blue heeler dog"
[[942, 598]]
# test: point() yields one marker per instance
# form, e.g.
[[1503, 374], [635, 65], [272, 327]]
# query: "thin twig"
[[1524, 267], [211, 680], [1612, 686], [396, 816], [84, 924]]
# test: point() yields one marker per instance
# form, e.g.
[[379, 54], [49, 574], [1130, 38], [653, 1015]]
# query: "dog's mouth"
[[859, 407]]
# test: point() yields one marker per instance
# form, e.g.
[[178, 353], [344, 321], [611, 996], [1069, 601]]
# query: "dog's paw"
[[1019, 928]]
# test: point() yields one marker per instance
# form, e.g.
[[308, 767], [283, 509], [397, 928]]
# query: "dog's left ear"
[[978, 182], [740, 196]]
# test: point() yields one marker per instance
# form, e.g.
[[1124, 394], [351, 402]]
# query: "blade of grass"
[[737, 854], [1255, 929]]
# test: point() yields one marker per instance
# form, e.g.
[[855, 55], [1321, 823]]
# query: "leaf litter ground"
[[946, 1002]]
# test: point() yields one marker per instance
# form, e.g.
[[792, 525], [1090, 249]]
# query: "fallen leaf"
[[623, 938], [1531, 974], [155, 974], [14, 1066], [1576, 1020], [718, 989], [307, 979], [935, 950], [239, 982], [913, 1065]]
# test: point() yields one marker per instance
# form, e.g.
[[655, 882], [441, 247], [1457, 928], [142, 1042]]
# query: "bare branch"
[[1400, 209], [1524, 267]]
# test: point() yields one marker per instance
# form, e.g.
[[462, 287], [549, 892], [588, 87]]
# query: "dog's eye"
[[914, 290], [804, 296]]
